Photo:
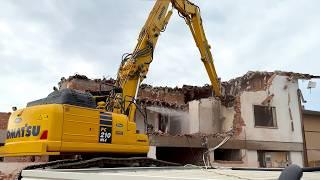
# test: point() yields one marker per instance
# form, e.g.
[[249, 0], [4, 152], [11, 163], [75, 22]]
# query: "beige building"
[[262, 116], [311, 123]]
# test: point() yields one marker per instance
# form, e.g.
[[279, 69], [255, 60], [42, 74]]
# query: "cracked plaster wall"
[[282, 100]]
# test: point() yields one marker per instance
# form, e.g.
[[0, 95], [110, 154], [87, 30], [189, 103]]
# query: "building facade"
[[262, 116]]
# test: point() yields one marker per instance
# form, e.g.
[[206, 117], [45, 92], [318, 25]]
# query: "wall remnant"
[[83, 83], [176, 98], [238, 121], [255, 81], [179, 98], [4, 117]]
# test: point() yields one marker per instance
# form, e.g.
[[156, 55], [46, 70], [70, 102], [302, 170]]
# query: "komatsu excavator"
[[72, 122]]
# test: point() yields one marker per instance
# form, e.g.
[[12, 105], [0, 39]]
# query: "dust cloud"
[[178, 120]]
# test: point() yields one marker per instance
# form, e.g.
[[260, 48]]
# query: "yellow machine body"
[[56, 129]]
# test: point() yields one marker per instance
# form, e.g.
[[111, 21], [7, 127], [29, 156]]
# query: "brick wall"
[[4, 117], [85, 85], [162, 94]]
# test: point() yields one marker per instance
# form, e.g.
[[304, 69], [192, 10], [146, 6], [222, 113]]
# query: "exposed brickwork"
[[196, 92], [161, 96], [258, 80], [238, 121], [176, 98], [82, 83], [4, 117]]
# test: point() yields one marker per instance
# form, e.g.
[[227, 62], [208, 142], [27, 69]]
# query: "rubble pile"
[[83, 83], [178, 98], [161, 96], [255, 81], [196, 92], [258, 80]]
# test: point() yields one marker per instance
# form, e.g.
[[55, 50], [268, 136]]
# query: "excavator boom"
[[134, 66], [191, 14]]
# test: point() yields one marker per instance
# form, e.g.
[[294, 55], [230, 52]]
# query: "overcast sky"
[[42, 41]]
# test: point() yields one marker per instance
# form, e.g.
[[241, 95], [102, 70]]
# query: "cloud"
[[41, 41]]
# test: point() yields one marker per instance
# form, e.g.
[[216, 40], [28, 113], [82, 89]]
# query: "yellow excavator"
[[72, 122]]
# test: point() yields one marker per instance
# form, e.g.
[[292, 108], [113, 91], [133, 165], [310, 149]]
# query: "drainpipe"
[[199, 113]]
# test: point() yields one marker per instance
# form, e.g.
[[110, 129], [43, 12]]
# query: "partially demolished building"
[[256, 123], [4, 116]]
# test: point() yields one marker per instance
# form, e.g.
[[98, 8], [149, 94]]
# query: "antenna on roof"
[[311, 84]]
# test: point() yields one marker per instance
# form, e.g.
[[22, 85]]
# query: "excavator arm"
[[134, 66], [191, 14]]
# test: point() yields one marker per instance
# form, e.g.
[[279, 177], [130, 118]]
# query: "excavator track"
[[101, 162]]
